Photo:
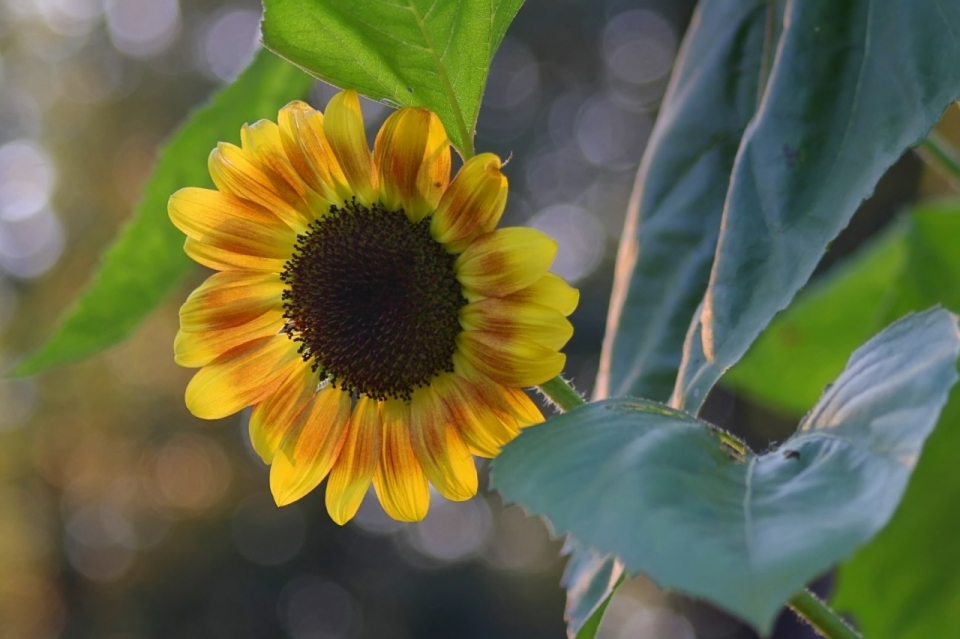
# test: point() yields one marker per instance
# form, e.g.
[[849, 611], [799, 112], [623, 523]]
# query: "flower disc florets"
[[373, 300]]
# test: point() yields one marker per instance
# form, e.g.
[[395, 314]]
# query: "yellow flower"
[[366, 307]]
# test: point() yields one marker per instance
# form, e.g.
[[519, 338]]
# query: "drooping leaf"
[[656, 487], [430, 53], [147, 261], [904, 583], [674, 216], [853, 85], [671, 232]]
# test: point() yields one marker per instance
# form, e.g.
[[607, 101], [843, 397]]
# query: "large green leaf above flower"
[[430, 53], [659, 488]]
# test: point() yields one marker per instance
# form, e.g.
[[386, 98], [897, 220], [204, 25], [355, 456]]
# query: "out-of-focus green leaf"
[[147, 260], [912, 266], [430, 53], [656, 487], [853, 85], [904, 584], [674, 217]]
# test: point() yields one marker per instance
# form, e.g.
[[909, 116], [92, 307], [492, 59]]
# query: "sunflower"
[[365, 306]]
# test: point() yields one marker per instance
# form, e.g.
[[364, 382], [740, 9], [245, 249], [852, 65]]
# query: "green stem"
[[942, 156], [561, 393], [819, 615]]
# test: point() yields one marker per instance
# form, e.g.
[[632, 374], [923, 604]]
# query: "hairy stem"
[[818, 614], [562, 394]]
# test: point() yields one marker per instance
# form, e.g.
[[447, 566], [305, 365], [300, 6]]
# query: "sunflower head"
[[366, 307]]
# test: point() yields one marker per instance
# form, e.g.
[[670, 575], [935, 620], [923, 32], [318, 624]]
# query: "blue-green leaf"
[[430, 53], [674, 217], [853, 85], [676, 501], [915, 264], [147, 260]]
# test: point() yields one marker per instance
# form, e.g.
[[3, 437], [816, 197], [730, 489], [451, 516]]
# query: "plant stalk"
[[562, 394], [818, 614]]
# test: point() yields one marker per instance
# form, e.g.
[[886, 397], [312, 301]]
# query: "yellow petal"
[[273, 418], [508, 402], [309, 151], [511, 361], [223, 260], [230, 299], [399, 481], [262, 140], [196, 349], [241, 377], [510, 318], [439, 448], [505, 261], [472, 205], [357, 461], [484, 426], [230, 223], [241, 174], [343, 125], [412, 154], [550, 290], [300, 465]]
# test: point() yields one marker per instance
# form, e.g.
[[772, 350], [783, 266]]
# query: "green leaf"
[[854, 84], [147, 261], [590, 579], [912, 266], [674, 217], [430, 53], [904, 584], [659, 489]]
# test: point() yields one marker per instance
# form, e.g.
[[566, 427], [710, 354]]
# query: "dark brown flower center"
[[373, 300]]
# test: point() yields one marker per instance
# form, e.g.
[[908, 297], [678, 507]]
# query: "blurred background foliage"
[[123, 517]]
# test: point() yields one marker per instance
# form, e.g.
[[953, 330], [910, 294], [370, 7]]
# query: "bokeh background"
[[122, 516]]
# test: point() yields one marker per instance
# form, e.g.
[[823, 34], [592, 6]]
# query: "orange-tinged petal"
[[241, 377], [230, 299], [505, 261], [508, 402], [472, 205], [412, 154], [262, 139], [241, 174], [309, 151], [438, 446], [510, 318], [220, 259], [550, 290], [511, 361], [343, 124], [357, 461], [283, 411], [230, 223], [480, 425], [309, 452], [399, 481], [196, 349]]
